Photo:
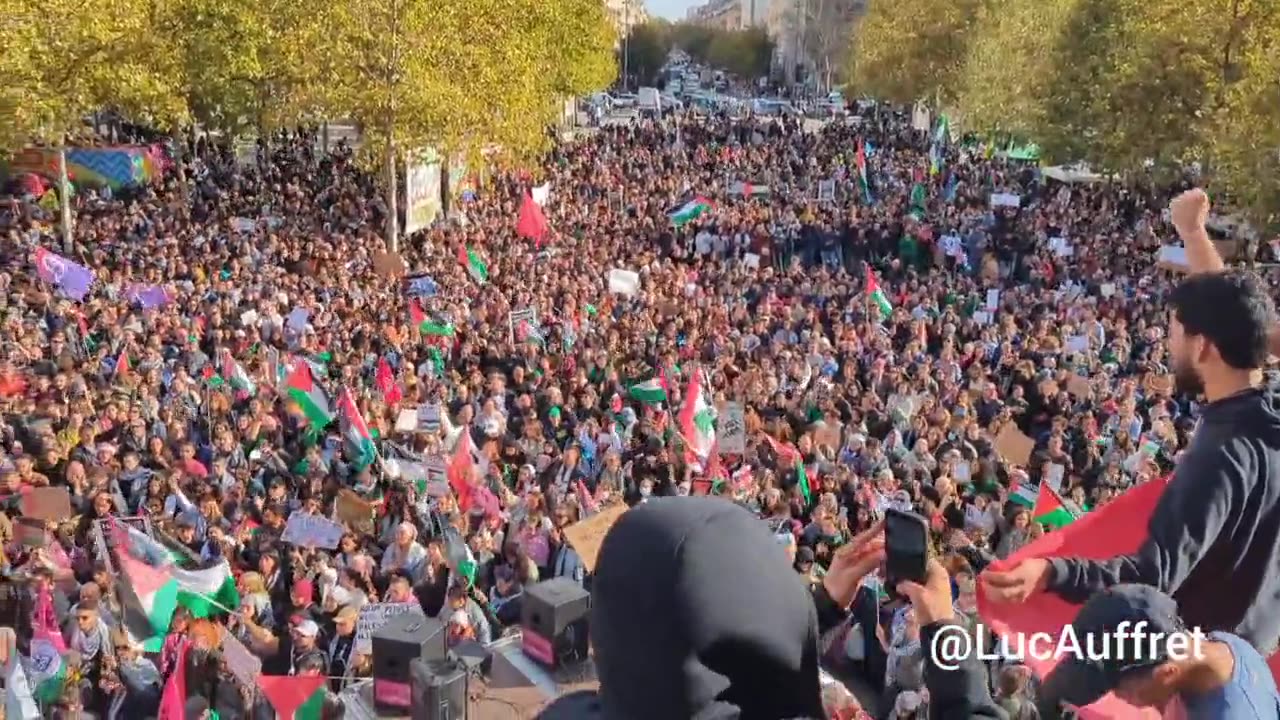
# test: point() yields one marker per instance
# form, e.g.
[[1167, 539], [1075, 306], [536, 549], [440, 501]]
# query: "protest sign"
[[388, 264], [47, 503], [312, 531], [354, 510], [1173, 257], [428, 418], [373, 616], [624, 282], [244, 665], [826, 191], [1012, 200], [407, 420], [1014, 446], [587, 535], [523, 324], [731, 425]]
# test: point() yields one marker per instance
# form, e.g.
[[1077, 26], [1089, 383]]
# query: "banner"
[[422, 191], [114, 167]]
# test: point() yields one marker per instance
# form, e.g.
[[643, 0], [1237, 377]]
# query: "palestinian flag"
[[1025, 495], [203, 591], [860, 163], [234, 373], [690, 211], [474, 265], [357, 442], [157, 595], [309, 396], [426, 325], [698, 423], [1049, 509], [919, 199], [161, 590], [296, 697], [649, 392], [877, 296]]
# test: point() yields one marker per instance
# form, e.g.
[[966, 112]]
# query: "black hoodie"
[[697, 614]]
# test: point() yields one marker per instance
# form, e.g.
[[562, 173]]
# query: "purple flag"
[[148, 296], [74, 279]]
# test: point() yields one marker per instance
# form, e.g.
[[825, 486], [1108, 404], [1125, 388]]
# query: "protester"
[[233, 355]]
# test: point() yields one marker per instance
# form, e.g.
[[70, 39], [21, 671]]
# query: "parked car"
[[624, 100]]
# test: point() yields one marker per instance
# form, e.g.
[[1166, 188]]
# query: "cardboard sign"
[[242, 663], [388, 264], [312, 531], [586, 536], [29, 532], [1079, 386], [523, 324], [47, 503], [373, 616], [1012, 200], [1014, 446], [354, 510], [407, 420], [731, 427]]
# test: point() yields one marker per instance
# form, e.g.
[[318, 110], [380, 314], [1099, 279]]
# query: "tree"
[[912, 49], [251, 63], [825, 29], [458, 75], [745, 53], [646, 48], [63, 61]]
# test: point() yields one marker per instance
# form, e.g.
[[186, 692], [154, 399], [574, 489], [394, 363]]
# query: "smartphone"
[[906, 542]]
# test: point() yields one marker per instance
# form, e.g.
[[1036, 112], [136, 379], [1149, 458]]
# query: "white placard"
[[751, 260], [993, 300], [1107, 289], [312, 531], [624, 282], [407, 420], [1053, 477], [1173, 257], [373, 616], [1006, 200], [1078, 344]]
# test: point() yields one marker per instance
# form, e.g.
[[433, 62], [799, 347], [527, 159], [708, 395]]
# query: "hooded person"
[[697, 613]]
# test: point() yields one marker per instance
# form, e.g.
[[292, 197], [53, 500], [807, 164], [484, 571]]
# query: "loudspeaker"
[[473, 656], [439, 690], [553, 620], [405, 638]]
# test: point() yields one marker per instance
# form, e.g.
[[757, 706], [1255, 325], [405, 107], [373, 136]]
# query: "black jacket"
[[697, 614], [1217, 526]]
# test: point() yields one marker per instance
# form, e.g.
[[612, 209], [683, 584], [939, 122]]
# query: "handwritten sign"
[[373, 616], [47, 503], [586, 536], [312, 531], [242, 663]]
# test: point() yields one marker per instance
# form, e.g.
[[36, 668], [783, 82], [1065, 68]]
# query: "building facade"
[[626, 14]]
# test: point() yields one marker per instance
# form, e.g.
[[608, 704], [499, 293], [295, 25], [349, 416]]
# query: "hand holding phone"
[[906, 537]]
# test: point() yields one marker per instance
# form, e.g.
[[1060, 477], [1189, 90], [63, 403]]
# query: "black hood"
[[696, 613]]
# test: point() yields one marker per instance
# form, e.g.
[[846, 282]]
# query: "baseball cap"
[[308, 628], [1080, 680], [304, 589]]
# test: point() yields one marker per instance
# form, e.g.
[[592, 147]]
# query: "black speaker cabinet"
[[439, 690], [554, 620], [405, 638]]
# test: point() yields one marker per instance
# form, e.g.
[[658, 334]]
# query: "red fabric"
[[287, 693], [174, 700], [532, 223], [386, 382], [1117, 528], [459, 471]]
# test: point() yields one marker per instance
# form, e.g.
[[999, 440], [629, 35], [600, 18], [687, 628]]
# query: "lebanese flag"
[[697, 423], [1117, 528], [532, 223]]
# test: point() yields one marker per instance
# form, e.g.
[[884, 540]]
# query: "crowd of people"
[[956, 336]]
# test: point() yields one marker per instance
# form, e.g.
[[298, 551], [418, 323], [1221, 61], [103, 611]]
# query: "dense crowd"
[[907, 345]]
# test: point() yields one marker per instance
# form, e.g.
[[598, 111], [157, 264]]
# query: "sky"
[[670, 9]]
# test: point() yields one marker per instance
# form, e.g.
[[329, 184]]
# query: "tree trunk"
[[393, 213], [64, 197]]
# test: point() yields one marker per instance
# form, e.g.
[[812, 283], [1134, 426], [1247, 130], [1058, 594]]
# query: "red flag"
[[173, 703], [1118, 528], [416, 316], [122, 364], [386, 382], [787, 453], [287, 693], [532, 223], [459, 471]]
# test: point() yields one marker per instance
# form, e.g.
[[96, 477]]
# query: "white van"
[[649, 101]]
